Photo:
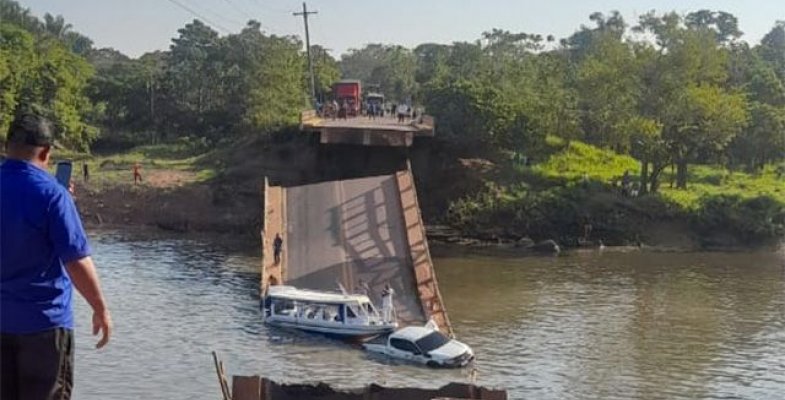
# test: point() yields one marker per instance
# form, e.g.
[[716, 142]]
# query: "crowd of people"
[[344, 109]]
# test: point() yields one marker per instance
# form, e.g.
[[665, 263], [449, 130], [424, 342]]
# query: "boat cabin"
[[323, 311]]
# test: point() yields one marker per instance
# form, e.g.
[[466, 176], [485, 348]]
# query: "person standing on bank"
[[44, 253], [137, 169]]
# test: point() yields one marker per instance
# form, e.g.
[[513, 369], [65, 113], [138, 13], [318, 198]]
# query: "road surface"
[[347, 231]]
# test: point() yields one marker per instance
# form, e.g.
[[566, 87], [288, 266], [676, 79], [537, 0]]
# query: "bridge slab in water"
[[367, 229]]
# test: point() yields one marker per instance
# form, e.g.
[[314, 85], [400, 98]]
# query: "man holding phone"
[[44, 252]]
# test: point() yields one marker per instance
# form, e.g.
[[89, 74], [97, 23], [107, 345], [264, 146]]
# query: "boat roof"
[[412, 333], [293, 293]]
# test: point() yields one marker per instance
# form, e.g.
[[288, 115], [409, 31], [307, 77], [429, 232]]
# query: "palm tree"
[[56, 26]]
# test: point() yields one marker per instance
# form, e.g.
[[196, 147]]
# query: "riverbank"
[[571, 193], [472, 203]]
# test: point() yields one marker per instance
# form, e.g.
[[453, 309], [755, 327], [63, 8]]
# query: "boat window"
[[283, 306], [369, 309], [350, 312], [432, 341], [331, 312], [310, 311], [405, 345]]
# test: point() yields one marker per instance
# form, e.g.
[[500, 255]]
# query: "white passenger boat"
[[335, 314]]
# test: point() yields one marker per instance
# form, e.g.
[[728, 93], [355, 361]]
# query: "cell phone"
[[63, 172]]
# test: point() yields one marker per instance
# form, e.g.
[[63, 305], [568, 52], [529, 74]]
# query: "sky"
[[138, 26]]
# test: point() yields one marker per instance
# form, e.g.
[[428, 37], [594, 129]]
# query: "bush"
[[752, 220]]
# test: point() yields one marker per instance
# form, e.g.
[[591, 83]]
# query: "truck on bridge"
[[349, 92]]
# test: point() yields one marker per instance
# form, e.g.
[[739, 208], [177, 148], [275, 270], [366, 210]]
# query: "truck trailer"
[[348, 93]]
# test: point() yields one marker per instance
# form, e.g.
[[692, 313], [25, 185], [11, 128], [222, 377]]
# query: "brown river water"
[[610, 325]]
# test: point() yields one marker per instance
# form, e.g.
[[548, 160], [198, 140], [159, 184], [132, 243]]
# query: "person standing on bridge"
[[277, 248], [44, 254], [388, 309], [402, 110], [334, 109]]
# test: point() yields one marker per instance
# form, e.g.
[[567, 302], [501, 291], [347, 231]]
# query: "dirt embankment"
[[170, 200], [230, 202]]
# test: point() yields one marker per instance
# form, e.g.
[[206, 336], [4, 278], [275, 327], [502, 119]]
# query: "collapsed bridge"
[[366, 228]]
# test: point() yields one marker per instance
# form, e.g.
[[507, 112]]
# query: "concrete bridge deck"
[[367, 229], [361, 130]]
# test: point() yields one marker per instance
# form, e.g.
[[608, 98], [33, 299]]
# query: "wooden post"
[[219, 369]]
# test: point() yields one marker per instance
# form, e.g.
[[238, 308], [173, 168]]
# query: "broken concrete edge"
[[259, 388], [273, 222], [432, 301]]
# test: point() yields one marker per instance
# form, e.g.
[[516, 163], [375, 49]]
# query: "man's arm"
[[85, 280]]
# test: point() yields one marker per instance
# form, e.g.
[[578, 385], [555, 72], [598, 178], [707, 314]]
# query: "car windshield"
[[433, 341]]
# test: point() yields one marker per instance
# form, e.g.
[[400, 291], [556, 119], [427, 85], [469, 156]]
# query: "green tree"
[[763, 141], [13, 13], [608, 85], [42, 73], [190, 79], [392, 68], [580, 42], [772, 49], [325, 69], [277, 88], [685, 76], [431, 59], [18, 61]]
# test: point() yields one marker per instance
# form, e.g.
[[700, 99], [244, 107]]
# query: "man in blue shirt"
[[43, 252]]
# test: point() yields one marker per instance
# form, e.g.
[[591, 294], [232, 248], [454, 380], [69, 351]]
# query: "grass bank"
[[185, 159], [572, 196]]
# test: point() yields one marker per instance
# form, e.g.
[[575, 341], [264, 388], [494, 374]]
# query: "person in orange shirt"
[[137, 172]]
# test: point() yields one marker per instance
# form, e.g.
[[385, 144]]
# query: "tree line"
[[671, 89], [205, 86]]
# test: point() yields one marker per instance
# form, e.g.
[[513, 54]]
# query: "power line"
[[260, 4], [249, 15], [197, 15], [239, 9], [217, 14], [265, 10]]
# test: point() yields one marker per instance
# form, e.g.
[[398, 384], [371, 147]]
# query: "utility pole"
[[305, 14]]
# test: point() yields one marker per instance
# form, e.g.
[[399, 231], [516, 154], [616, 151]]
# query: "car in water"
[[423, 345]]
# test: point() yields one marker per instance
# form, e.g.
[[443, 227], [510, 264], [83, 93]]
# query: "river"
[[608, 325]]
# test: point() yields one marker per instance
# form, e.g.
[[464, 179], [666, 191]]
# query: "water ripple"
[[612, 326]]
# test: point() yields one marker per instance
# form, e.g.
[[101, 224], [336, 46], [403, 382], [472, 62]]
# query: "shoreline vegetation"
[[189, 189], [664, 132]]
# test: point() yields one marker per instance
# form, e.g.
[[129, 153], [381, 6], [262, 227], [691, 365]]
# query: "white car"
[[423, 345]]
